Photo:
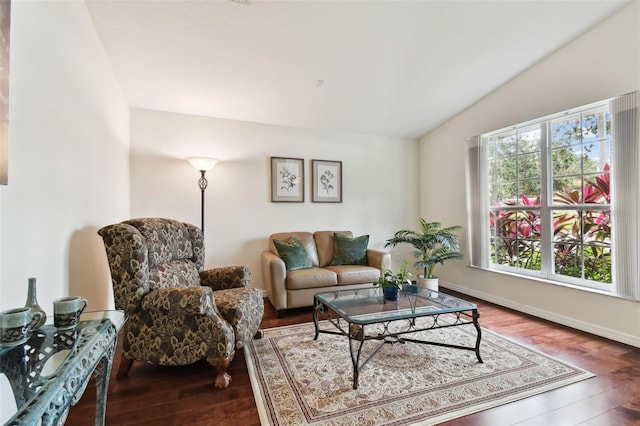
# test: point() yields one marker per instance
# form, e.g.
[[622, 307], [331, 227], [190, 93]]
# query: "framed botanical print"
[[5, 23], [287, 180], [326, 185]]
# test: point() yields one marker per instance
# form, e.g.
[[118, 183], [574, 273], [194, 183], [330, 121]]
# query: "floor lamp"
[[202, 164]]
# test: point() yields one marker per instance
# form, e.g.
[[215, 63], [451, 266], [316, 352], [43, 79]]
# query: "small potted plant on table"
[[433, 244], [391, 283]]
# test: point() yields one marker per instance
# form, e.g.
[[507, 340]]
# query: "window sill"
[[551, 282]]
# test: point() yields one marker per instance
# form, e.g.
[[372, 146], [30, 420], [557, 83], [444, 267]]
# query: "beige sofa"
[[294, 289]]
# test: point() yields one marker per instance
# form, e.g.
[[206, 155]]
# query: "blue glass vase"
[[391, 293]]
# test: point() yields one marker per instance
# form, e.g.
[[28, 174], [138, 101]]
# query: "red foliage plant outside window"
[[549, 197]]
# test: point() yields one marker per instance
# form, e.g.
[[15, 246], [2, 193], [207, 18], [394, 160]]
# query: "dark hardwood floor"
[[154, 395]]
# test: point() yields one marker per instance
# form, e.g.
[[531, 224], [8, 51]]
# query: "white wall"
[[68, 157], [603, 63], [379, 185]]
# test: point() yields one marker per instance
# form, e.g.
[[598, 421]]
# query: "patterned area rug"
[[299, 381]]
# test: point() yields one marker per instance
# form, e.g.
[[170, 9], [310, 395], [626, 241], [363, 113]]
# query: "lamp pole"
[[202, 164], [202, 183]]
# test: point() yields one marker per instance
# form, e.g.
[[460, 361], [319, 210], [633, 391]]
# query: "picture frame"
[[287, 180], [326, 185], [5, 24]]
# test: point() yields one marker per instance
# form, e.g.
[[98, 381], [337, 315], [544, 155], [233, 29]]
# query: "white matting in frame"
[[326, 185], [287, 180]]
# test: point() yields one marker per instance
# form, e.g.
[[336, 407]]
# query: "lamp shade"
[[202, 163]]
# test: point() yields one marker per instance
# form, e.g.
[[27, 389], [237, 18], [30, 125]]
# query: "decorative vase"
[[32, 304], [391, 293]]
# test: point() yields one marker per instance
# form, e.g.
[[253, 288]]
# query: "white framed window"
[[553, 197]]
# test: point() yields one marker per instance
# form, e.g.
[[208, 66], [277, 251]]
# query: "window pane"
[[596, 156], [505, 223], [529, 139], [505, 252], [590, 125], [597, 189], [568, 260], [491, 171], [505, 144], [529, 224], [567, 226], [530, 192], [503, 194], [529, 255], [567, 237], [492, 253], [597, 227], [491, 146], [567, 161], [529, 165], [493, 217], [597, 263], [505, 169], [582, 244], [567, 190], [565, 131]]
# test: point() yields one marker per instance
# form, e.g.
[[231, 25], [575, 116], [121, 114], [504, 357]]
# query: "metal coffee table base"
[[357, 336]]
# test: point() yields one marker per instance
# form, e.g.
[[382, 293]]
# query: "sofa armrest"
[[226, 277], [274, 273], [378, 259], [180, 301]]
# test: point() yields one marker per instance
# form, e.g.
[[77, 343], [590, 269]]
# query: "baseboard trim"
[[550, 316]]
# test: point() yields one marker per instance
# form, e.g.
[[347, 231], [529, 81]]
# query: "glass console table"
[[50, 371]]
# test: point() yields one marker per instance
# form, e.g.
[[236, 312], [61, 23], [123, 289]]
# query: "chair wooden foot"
[[221, 364], [124, 367], [259, 334]]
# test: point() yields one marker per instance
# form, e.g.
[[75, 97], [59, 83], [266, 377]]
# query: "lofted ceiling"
[[389, 68]]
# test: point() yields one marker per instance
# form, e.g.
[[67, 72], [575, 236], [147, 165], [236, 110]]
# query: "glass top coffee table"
[[364, 314]]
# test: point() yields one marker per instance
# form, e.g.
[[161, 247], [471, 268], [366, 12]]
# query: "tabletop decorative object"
[[32, 304]]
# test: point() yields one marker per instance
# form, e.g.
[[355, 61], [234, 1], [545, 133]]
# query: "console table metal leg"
[[102, 373], [476, 315]]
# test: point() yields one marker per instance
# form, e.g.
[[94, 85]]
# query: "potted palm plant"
[[433, 245]]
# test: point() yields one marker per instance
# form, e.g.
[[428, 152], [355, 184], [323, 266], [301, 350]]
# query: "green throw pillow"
[[293, 253], [350, 251]]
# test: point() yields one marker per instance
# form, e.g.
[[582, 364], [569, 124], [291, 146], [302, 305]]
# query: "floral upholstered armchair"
[[178, 312]]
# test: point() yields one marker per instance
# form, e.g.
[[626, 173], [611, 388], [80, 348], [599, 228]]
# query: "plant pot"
[[391, 293], [410, 288], [421, 281], [430, 283]]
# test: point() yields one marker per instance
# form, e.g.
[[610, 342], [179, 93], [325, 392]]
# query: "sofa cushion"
[[350, 251], [355, 274], [326, 246], [307, 241], [311, 278], [293, 254]]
